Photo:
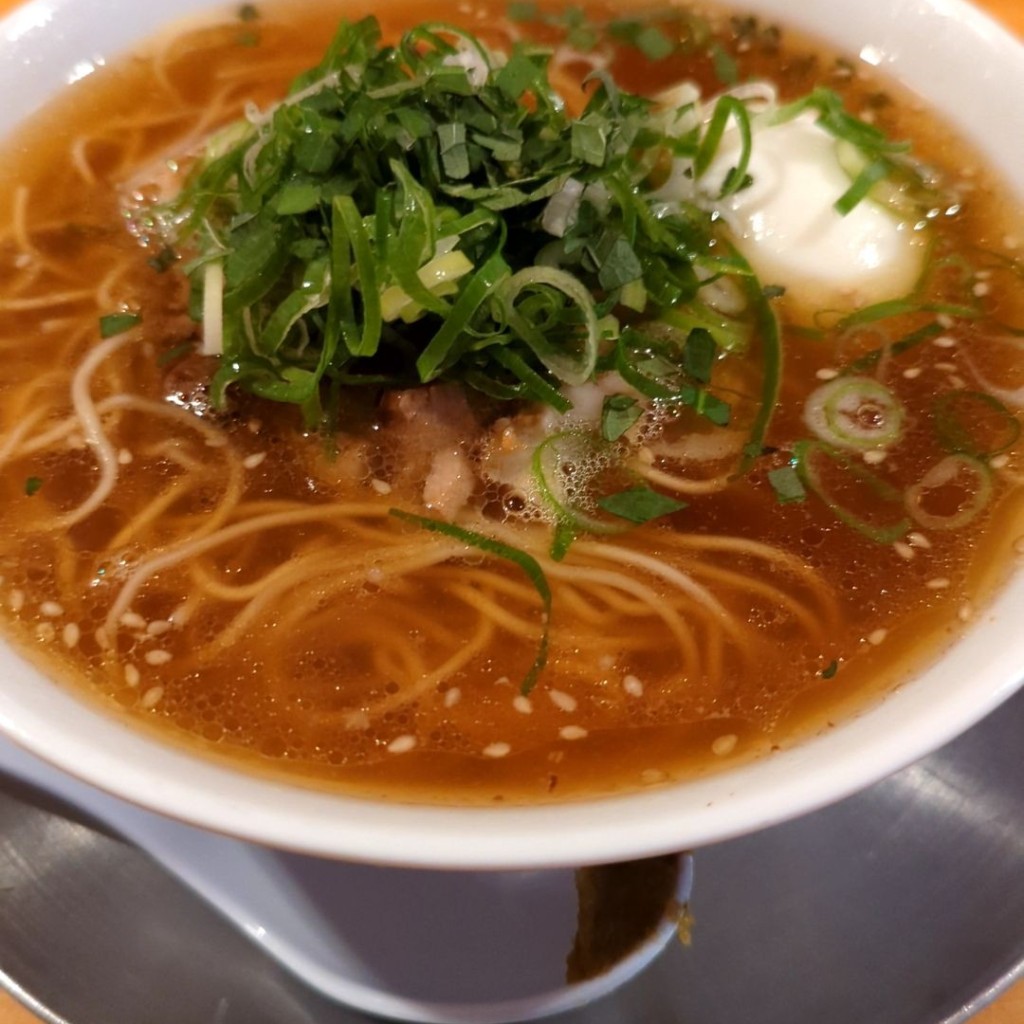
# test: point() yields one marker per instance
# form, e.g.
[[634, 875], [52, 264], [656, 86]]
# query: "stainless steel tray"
[[902, 905]]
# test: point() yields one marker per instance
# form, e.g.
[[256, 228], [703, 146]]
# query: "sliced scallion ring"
[[951, 494], [563, 466], [573, 367], [974, 423], [857, 497], [855, 413]]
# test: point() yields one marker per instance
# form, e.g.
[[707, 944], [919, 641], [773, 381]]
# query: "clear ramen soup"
[[535, 406]]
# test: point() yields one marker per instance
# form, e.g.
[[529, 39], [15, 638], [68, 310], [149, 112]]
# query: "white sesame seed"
[[955, 381], [651, 776], [45, 631], [71, 635], [102, 639], [981, 289], [918, 540], [252, 461], [939, 583], [402, 744], [945, 367], [16, 600], [983, 275], [572, 732], [633, 686], [152, 697], [905, 551], [875, 458], [497, 750], [132, 676], [944, 341], [254, 426], [158, 627], [133, 620], [216, 441], [965, 612], [645, 456], [912, 373], [158, 657], [51, 609], [452, 697], [180, 615], [944, 320], [606, 662], [827, 373], [999, 461], [380, 486], [125, 457], [877, 637], [375, 575], [522, 704], [725, 745], [563, 701], [357, 721], [502, 681]]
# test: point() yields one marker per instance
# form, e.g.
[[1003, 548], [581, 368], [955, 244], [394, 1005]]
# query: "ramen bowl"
[[962, 65]]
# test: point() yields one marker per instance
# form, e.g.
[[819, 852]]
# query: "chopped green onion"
[[117, 323], [857, 497], [951, 494], [564, 467], [32, 485], [524, 561], [974, 423], [854, 412]]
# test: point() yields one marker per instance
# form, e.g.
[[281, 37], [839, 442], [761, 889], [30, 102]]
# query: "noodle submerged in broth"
[[451, 430]]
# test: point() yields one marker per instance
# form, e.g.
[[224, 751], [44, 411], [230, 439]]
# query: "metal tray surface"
[[901, 905]]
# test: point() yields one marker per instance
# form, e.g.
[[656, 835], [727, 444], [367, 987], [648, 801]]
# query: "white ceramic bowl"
[[957, 59]]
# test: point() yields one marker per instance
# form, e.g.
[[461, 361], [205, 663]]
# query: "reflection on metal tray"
[[902, 905]]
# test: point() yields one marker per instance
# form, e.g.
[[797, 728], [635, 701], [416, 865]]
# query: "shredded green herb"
[[32, 485], [406, 200], [117, 323], [619, 413], [640, 505], [517, 557], [787, 485]]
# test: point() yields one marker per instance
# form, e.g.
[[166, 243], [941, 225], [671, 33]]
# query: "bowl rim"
[[980, 670]]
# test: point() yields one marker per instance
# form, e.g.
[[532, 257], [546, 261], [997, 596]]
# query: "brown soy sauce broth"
[[288, 694]]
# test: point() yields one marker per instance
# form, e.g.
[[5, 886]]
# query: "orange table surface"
[[1009, 1009]]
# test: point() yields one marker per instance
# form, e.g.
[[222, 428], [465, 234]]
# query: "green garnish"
[[953, 493], [974, 423], [619, 413], [32, 485], [787, 485], [640, 505], [857, 497], [649, 39], [872, 157], [830, 670], [517, 557], [117, 323], [405, 216]]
